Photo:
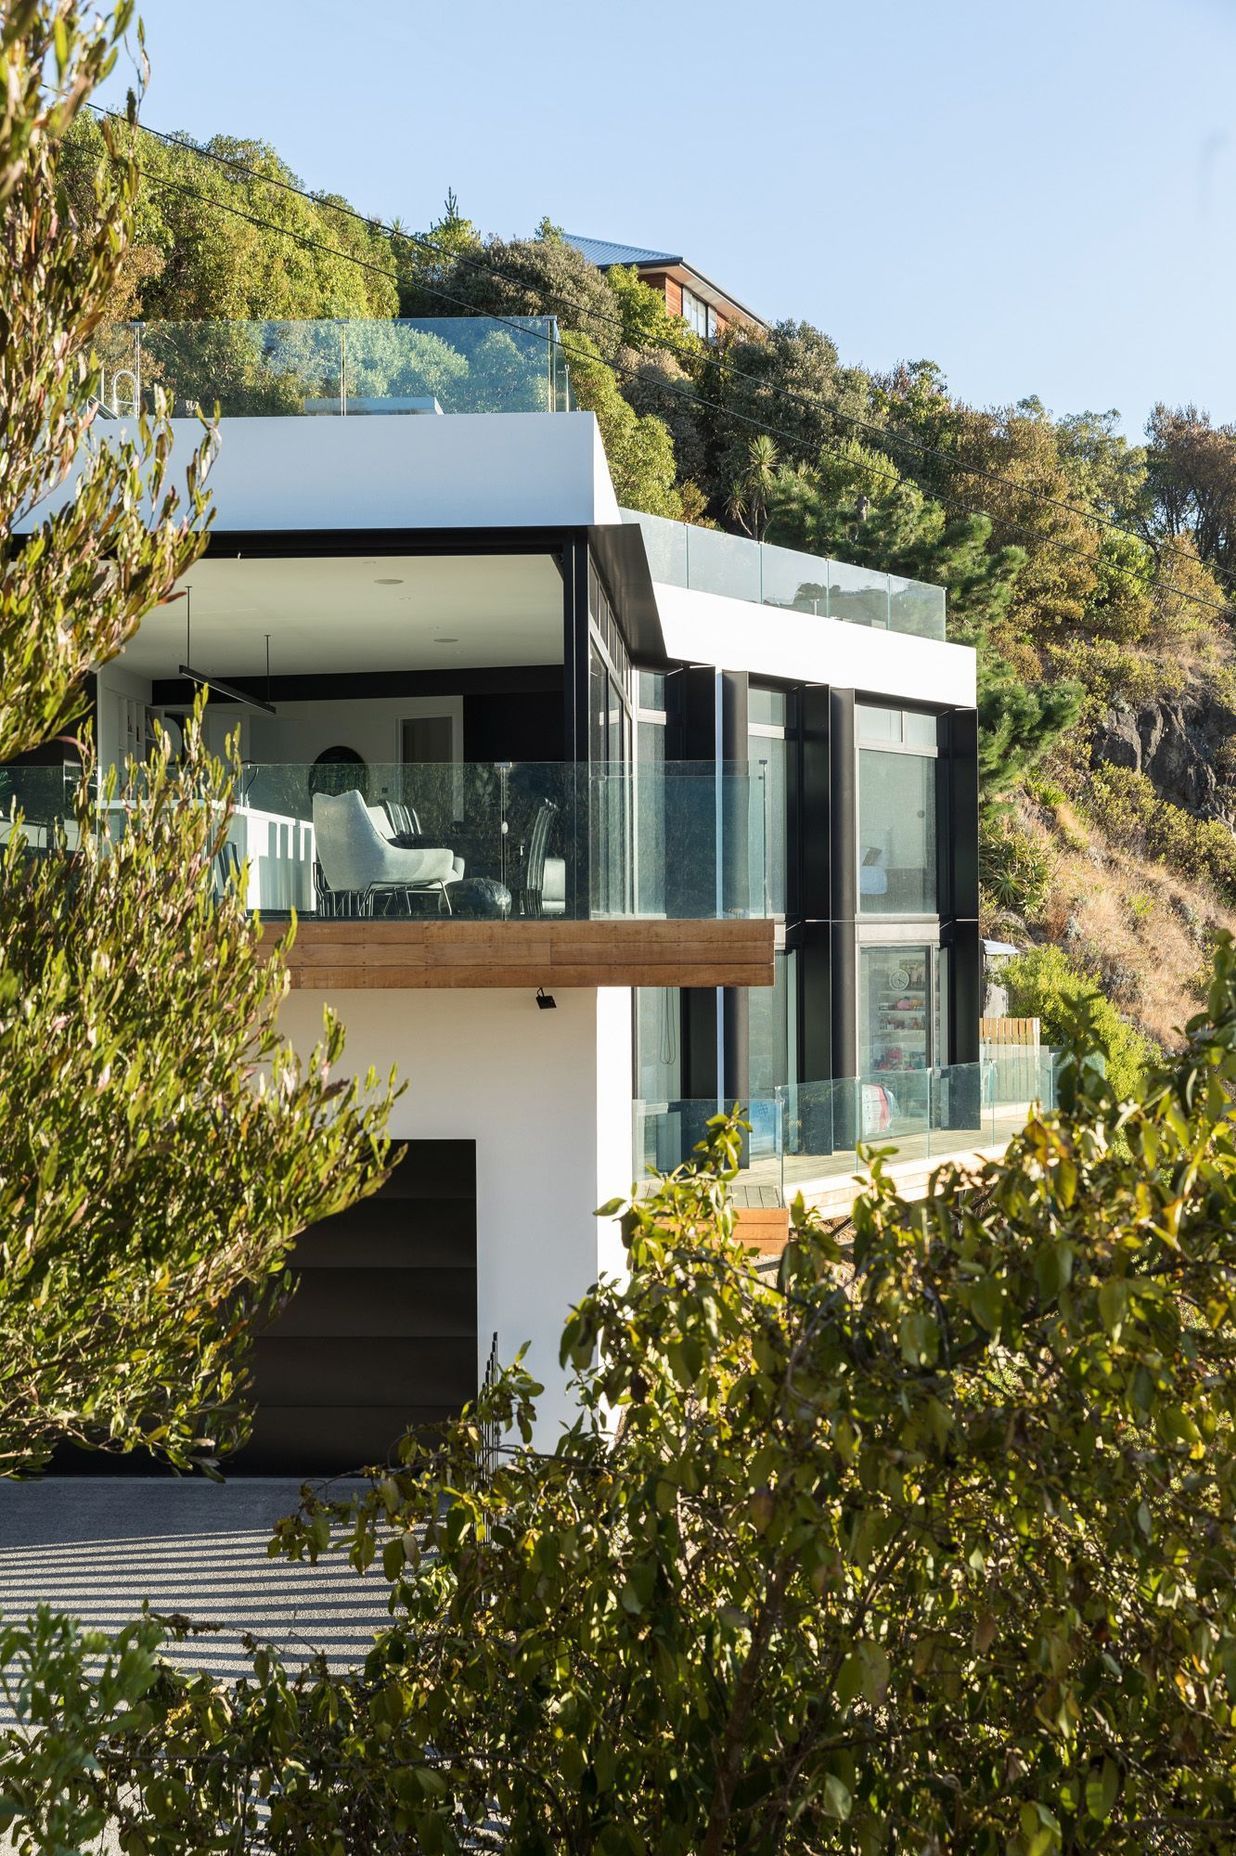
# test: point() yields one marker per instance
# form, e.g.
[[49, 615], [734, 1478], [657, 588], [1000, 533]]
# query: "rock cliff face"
[[1187, 748]]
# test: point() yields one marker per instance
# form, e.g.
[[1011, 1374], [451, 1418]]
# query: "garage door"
[[380, 1335], [378, 1338]]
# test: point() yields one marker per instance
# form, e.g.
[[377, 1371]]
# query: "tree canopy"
[[161, 1146], [922, 1540]]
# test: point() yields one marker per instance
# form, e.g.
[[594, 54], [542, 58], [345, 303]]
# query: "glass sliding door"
[[610, 748], [896, 1009], [767, 712], [898, 1037]]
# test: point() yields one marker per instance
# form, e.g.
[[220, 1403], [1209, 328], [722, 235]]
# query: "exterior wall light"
[[545, 1000]]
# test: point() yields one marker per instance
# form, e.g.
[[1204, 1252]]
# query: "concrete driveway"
[[96, 1546]]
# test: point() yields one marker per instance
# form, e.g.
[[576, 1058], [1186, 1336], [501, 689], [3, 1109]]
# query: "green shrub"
[[1127, 807], [1046, 792], [1016, 869], [1044, 983]]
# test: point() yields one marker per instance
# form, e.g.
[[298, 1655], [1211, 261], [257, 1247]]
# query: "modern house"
[[593, 823], [703, 305]]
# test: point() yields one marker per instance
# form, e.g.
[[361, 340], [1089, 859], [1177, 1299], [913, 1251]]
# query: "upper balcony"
[[709, 561], [441, 874], [445, 364]]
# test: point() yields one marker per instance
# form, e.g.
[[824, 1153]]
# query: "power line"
[[719, 364], [688, 396]]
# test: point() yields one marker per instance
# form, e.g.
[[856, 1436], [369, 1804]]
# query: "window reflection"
[[896, 833], [896, 811]]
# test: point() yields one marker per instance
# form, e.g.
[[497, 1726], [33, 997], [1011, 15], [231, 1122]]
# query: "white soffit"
[[336, 615]]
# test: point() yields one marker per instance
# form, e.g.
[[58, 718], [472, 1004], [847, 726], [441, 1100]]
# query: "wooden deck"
[[331, 956]]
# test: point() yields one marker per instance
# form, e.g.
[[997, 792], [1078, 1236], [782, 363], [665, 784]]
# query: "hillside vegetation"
[[1092, 573]]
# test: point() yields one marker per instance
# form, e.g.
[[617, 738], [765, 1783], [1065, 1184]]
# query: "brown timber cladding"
[[442, 953]]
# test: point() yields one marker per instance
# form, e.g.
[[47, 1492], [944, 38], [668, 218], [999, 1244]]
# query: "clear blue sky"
[[1038, 194]]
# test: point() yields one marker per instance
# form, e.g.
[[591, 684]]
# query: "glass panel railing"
[[1016, 1077], [926, 1115], [677, 840], [666, 1135], [807, 1135], [858, 596], [665, 544], [916, 607], [798, 582], [708, 561], [700, 849], [720, 563], [44, 799], [436, 364]]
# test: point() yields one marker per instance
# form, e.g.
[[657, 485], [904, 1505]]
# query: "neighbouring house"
[[707, 309], [593, 822]]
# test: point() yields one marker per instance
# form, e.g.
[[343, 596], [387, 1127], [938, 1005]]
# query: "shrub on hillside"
[[1044, 983], [1016, 868], [1134, 816]]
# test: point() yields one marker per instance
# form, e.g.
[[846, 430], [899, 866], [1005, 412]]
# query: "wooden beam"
[[440, 953]]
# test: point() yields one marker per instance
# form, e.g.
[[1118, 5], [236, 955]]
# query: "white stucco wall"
[[735, 634], [546, 1096], [462, 470]]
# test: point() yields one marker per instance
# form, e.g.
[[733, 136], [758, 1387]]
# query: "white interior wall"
[[115, 688], [303, 730], [546, 1096], [118, 688]]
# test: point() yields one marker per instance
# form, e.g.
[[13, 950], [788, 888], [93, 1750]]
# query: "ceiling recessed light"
[[388, 583], [446, 641]]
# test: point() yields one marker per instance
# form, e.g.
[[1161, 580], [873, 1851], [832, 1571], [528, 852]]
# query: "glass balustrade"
[[437, 364], [924, 1114], [806, 1135], [666, 1135], [674, 841], [708, 561]]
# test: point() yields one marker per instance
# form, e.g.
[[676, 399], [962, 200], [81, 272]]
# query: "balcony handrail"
[[336, 365], [653, 841], [739, 567], [807, 1134]]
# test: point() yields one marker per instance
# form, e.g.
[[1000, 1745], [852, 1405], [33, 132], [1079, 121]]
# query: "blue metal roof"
[[603, 251]]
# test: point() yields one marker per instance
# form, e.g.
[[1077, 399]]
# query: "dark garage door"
[[380, 1335]]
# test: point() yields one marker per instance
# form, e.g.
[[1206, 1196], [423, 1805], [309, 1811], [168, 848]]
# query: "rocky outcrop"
[[1186, 747]]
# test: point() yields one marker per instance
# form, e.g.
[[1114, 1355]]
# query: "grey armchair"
[[387, 822], [355, 857]]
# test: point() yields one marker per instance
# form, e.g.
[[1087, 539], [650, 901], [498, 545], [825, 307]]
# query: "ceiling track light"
[[218, 687], [215, 685]]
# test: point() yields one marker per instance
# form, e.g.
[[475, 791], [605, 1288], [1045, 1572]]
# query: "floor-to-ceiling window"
[[901, 1003], [610, 743], [897, 756], [767, 712]]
